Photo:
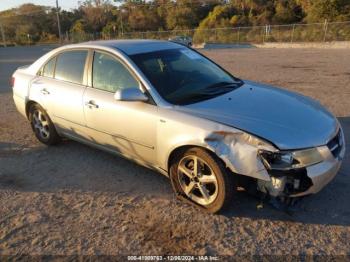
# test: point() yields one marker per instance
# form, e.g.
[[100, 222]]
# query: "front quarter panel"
[[177, 129]]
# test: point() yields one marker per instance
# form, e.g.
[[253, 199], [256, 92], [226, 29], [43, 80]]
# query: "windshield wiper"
[[204, 94], [224, 84], [192, 98], [208, 92]]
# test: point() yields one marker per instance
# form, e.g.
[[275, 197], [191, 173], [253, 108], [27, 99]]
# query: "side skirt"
[[114, 152]]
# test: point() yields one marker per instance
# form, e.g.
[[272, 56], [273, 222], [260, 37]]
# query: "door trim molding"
[[113, 135]]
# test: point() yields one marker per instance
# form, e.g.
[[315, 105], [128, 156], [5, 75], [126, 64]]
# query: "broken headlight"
[[284, 160]]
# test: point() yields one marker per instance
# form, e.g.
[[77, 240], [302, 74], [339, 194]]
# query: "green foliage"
[[31, 23], [110, 30], [96, 14], [78, 27], [332, 10], [26, 24], [287, 12], [142, 17]]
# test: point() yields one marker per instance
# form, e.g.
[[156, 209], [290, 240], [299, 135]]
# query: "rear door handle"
[[91, 104], [44, 91], [38, 82]]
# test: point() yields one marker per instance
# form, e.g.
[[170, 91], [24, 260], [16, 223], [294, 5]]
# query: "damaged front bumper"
[[322, 173], [241, 153], [303, 181]]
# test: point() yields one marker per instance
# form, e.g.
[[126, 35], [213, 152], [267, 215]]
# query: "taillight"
[[12, 82]]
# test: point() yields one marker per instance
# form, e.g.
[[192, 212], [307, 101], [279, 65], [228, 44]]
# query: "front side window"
[[182, 76], [110, 75], [70, 66]]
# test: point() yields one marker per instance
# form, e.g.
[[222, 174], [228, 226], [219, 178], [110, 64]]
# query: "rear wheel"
[[202, 178], [42, 126]]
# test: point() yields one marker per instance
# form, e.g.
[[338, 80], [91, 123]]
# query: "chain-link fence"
[[316, 32]]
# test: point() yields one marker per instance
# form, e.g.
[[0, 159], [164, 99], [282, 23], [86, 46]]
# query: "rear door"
[[67, 88], [41, 85]]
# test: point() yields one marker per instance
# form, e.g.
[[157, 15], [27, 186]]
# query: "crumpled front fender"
[[239, 151]]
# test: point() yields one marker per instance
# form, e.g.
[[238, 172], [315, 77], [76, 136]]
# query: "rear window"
[[70, 66], [49, 68]]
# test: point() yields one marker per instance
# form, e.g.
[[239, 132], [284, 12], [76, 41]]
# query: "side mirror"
[[130, 94]]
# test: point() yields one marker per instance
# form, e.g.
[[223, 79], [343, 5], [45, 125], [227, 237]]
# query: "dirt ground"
[[72, 199]]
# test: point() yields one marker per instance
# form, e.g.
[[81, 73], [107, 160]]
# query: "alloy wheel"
[[197, 180], [41, 124]]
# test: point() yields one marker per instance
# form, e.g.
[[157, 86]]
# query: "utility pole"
[[121, 22], [2, 34], [58, 22]]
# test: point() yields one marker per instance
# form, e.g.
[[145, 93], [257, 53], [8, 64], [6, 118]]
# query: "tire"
[[42, 126], [213, 187]]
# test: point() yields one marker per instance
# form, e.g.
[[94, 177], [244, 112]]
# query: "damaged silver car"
[[171, 109]]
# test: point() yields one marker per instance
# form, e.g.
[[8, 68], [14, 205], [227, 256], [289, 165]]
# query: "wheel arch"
[[182, 148], [28, 105]]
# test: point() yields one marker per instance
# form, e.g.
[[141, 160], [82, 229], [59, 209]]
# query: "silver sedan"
[[171, 109]]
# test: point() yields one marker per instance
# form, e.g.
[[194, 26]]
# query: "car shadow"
[[75, 167]]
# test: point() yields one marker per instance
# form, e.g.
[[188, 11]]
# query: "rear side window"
[[111, 75], [49, 68], [70, 66]]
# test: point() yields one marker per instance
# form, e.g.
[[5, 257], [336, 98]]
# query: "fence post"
[[239, 29], [292, 35], [3, 34], [267, 29], [325, 26], [263, 35]]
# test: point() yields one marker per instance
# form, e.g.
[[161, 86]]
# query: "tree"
[[187, 14], [142, 17], [287, 12], [96, 14], [28, 23], [332, 10], [36, 23], [219, 17]]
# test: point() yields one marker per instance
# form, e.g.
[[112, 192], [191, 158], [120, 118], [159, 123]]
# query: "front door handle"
[[91, 104], [44, 91]]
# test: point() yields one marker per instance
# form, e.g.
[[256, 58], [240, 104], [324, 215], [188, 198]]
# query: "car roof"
[[134, 46]]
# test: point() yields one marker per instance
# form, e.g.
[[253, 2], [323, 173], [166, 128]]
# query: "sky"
[[65, 4]]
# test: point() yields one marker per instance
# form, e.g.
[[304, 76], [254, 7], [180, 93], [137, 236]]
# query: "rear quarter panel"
[[21, 89]]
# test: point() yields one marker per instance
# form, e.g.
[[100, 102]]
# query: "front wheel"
[[42, 126], [202, 178]]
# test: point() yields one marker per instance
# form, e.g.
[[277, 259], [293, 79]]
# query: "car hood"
[[287, 119]]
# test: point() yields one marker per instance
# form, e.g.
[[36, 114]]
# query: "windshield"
[[182, 76]]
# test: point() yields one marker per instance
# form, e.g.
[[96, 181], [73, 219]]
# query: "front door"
[[128, 127]]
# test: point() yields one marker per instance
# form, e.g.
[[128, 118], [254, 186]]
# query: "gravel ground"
[[73, 200]]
